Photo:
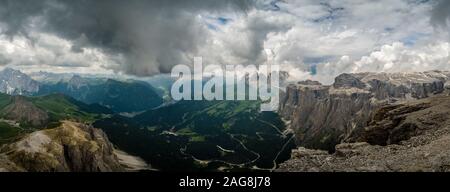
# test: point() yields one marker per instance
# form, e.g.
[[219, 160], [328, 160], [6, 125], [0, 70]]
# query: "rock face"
[[348, 81], [77, 82], [447, 87], [323, 116], [394, 123], [412, 136], [13, 82], [70, 147]]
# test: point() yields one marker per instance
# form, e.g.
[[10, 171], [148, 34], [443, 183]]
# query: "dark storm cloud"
[[441, 14], [152, 35], [16, 13], [4, 60]]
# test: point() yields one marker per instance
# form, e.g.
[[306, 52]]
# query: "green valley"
[[203, 135]]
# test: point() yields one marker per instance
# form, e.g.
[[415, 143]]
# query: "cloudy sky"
[[315, 39]]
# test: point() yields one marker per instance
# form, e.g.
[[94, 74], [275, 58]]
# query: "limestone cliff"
[[410, 136], [325, 115]]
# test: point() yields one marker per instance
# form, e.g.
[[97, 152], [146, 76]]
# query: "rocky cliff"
[[325, 115], [70, 147], [410, 136]]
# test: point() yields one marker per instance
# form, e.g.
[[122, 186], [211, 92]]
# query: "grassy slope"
[[8, 132], [58, 107]]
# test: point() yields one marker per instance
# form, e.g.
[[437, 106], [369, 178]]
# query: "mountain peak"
[[11, 71], [8, 69], [14, 82], [348, 80], [77, 81], [76, 78]]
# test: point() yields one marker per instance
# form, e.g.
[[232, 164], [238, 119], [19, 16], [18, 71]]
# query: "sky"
[[310, 39]]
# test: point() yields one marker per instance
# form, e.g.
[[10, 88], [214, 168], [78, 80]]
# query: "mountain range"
[[118, 95], [362, 122]]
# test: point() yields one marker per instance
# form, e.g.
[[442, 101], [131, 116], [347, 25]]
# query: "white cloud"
[[390, 58], [399, 58], [337, 35], [41, 51]]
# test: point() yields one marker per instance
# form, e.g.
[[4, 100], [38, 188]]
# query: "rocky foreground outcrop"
[[407, 136], [70, 147], [323, 116]]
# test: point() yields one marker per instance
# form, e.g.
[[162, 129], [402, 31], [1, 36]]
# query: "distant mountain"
[[47, 77], [14, 82], [119, 96], [162, 84]]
